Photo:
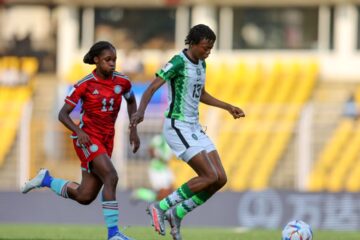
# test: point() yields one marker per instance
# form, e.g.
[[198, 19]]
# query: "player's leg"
[[197, 195], [177, 213], [201, 197], [83, 193], [220, 172], [162, 193], [213, 158], [206, 177], [105, 170], [191, 144], [87, 191]]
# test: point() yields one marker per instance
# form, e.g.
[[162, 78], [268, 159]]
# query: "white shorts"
[[186, 139]]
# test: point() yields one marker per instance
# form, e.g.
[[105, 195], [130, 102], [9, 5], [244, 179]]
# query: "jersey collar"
[[104, 79], [187, 56]]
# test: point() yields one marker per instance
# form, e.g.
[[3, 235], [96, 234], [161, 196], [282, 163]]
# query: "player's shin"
[[59, 186], [111, 215], [190, 204], [176, 197]]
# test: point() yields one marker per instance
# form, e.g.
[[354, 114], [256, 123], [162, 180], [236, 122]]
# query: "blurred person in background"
[[185, 75], [100, 94], [132, 65], [350, 108], [160, 175]]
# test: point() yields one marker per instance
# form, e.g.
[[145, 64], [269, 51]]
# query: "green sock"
[[176, 197], [190, 204]]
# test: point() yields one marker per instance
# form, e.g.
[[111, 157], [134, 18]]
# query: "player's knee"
[[112, 179], [222, 180], [85, 200], [210, 179]]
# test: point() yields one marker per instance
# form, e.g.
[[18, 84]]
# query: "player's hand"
[[236, 112], [83, 139], [134, 140], [136, 118]]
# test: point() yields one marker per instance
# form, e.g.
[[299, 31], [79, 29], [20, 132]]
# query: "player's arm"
[[131, 108], [64, 118], [138, 117], [212, 101]]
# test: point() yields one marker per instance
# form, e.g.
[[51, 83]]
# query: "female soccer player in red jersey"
[[101, 94], [185, 77]]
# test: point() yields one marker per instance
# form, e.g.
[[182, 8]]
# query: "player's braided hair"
[[198, 33], [96, 50]]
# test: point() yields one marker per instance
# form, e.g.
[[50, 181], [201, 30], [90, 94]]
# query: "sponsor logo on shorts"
[[194, 136], [94, 148]]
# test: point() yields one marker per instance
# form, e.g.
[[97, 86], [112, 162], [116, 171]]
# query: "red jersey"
[[101, 101]]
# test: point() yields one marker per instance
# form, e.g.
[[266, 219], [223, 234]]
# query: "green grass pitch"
[[97, 232]]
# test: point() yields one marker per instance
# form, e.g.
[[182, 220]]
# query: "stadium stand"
[[15, 90], [345, 162], [352, 183], [336, 161], [337, 166], [77, 71]]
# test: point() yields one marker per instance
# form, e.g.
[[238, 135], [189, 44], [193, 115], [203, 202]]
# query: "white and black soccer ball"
[[297, 230]]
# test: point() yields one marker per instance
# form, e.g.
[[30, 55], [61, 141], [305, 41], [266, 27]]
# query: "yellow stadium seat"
[[11, 106], [346, 160], [29, 65], [329, 154], [247, 137], [352, 183], [260, 180], [279, 125]]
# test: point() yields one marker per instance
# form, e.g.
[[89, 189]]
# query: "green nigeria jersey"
[[185, 81]]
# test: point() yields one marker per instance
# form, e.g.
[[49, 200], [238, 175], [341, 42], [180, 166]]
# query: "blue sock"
[[47, 180], [59, 186], [111, 216]]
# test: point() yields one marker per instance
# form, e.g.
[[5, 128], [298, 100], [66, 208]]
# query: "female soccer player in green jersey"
[[185, 76]]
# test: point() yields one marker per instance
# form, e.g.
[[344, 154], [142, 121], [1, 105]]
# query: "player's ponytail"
[[96, 50]]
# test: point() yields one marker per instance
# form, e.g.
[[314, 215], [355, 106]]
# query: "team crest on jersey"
[[167, 67], [194, 136], [117, 89]]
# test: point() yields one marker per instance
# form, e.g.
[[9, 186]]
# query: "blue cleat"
[[36, 182], [119, 236]]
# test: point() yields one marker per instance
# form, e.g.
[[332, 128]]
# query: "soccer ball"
[[297, 230]]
